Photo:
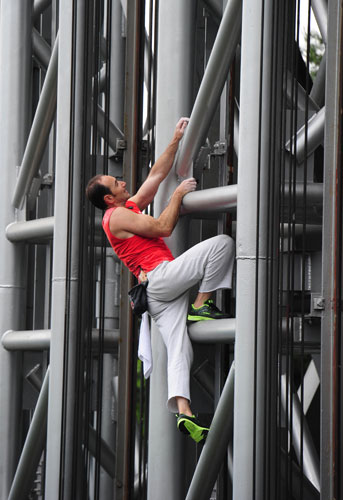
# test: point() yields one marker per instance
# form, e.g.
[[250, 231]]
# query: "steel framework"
[[97, 87]]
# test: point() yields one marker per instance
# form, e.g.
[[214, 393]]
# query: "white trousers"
[[209, 263]]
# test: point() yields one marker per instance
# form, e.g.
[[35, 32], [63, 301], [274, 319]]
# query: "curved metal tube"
[[212, 84]]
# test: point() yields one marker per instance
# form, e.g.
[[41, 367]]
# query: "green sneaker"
[[205, 312], [192, 427]]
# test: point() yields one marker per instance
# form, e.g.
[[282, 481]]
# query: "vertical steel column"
[[125, 441], [174, 94], [59, 273], [108, 426], [330, 447], [252, 216], [15, 63]]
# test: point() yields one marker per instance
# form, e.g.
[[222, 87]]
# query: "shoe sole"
[[195, 431], [198, 318]]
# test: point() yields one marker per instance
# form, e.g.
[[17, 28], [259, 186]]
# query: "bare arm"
[[160, 169], [124, 223]]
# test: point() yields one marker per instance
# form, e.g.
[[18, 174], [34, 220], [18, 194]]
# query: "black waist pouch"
[[138, 298]]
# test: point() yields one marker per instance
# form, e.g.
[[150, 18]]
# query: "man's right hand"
[[186, 186]]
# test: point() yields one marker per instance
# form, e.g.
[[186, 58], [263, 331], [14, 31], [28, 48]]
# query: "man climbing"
[[137, 239]]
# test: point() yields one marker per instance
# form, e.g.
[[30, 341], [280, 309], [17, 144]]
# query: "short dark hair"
[[96, 191]]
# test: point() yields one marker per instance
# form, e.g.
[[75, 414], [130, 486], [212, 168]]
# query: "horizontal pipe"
[[216, 72], [219, 199], [224, 199], [39, 132], [39, 340], [36, 231], [315, 137], [33, 447], [310, 230], [26, 340], [314, 193], [41, 49], [221, 331], [213, 332], [110, 340]]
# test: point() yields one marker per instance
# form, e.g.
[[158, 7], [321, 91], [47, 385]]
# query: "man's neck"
[[117, 204]]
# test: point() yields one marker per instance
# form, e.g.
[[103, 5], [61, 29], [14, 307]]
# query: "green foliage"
[[316, 51]]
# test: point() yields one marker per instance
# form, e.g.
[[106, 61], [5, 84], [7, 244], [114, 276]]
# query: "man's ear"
[[109, 199]]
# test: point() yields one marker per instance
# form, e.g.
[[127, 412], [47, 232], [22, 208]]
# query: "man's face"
[[117, 188]]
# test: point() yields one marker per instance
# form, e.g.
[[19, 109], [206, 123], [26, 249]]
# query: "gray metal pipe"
[[102, 77], [222, 55], [308, 386], [37, 230], [299, 482], [213, 332], [33, 378], [39, 340], [331, 241], [39, 6], [220, 199], [217, 441], [111, 338], [41, 49], [317, 93], [15, 113], [320, 10], [107, 457], [254, 219], [224, 199], [315, 137], [314, 193], [40, 131], [117, 65], [66, 253], [26, 340], [174, 99], [236, 128], [33, 447], [216, 7], [302, 440], [114, 132], [300, 97]]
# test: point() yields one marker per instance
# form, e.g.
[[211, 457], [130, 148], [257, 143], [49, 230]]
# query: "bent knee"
[[226, 241]]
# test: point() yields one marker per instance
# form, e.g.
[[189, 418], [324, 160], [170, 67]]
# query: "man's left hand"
[[180, 128]]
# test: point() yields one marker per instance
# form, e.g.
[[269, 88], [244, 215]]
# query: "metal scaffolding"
[[97, 87]]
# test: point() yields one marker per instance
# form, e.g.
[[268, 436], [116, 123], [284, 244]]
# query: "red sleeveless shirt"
[[136, 252]]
